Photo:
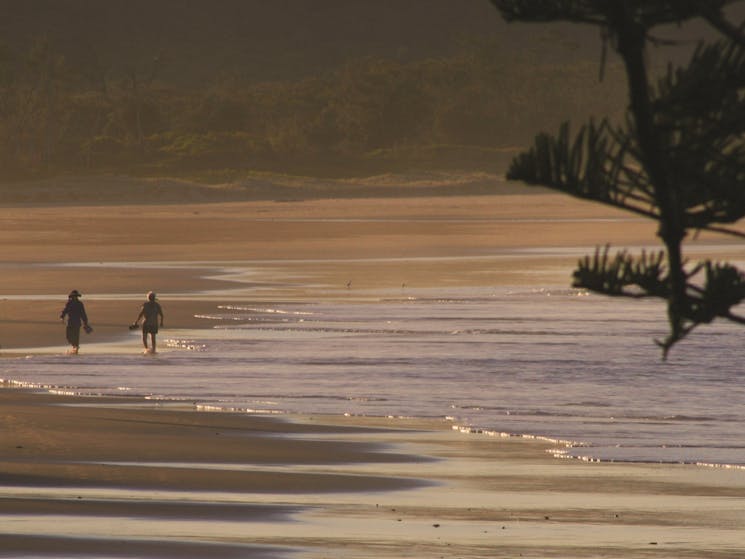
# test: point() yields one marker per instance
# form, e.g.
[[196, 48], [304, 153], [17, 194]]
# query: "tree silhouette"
[[678, 159]]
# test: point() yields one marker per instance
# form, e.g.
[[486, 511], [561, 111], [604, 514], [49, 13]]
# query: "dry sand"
[[125, 478], [114, 254]]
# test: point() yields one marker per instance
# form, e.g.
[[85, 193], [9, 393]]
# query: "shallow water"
[[554, 363]]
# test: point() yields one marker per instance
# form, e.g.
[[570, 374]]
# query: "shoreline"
[[85, 475], [195, 288], [270, 250], [239, 484]]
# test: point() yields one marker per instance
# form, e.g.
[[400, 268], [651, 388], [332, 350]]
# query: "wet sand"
[[123, 478], [129, 478]]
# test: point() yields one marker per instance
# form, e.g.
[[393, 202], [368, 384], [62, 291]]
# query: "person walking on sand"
[[150, 312], [75, 312]]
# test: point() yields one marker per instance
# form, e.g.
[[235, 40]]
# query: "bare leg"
[[152, 339], [144, 338]]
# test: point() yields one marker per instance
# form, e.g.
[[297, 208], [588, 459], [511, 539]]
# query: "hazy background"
[[218, 90]]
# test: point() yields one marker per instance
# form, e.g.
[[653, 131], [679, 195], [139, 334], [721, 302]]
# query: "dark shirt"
[[151, 310], [75, 312]]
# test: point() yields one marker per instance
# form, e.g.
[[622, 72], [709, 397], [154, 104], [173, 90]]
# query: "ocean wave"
[[505, 365]]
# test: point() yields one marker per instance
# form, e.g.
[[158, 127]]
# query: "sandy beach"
[[88, 477], [123, 477], [114, 254]]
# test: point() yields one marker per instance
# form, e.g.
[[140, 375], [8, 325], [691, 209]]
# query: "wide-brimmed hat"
[[74, 293]]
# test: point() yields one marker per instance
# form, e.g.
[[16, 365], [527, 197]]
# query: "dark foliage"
[[679, 158], [367, 114]]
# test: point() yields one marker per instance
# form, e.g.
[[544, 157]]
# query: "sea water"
[[562, 364]]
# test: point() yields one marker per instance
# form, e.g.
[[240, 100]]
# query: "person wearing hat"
[[151, 312], [75, 312]]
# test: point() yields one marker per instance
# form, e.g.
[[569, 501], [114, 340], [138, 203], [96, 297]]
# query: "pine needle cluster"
[[679, 157]]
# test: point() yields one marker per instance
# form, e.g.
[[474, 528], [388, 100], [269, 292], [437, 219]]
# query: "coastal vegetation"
[[460, 110]]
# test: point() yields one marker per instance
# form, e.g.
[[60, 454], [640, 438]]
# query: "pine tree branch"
[[724, 231], [590, 166], [649, 14], [680, 159], [734, 318], [623, 275]]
